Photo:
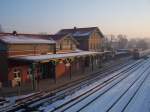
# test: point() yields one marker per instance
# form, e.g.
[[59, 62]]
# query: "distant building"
[[115, 44], [90, 39], [112, 41]]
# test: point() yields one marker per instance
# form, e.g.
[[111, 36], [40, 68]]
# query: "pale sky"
[[130, 17]]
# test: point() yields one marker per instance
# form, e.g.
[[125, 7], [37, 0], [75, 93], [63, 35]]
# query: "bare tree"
[[107, 43], [142, 44], [123, 41], [132, 43]]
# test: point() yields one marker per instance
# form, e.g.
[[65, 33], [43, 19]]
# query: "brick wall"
[[95, 42], [60, 70], [66, 44], [28, 49]]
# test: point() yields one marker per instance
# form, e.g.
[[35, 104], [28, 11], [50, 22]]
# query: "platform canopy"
[[48, 57]]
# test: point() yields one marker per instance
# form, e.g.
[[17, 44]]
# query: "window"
[[29, 72], [60, 47], [71, 47], [51, 47], [57, 46], [17, 73], [91, 46], [66, 44], [67, 41]]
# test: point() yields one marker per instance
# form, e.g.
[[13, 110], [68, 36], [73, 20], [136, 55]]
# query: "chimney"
[[75, 28], [14, 33]]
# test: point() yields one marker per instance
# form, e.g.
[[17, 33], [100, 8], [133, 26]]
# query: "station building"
[[29, 58], [89, 38]]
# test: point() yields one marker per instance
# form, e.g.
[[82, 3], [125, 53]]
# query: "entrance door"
[[44, 70], [48, 70], [52, 70]]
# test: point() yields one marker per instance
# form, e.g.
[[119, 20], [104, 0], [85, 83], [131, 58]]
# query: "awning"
[[47, 57]]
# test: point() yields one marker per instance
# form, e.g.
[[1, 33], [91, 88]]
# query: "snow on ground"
[[102, 103], [50, 107], [81, 91], [117, 97], [141, 101], [12, 100], [119, 106]]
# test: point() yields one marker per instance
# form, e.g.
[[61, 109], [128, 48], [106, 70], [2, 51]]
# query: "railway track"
[[81, 97], [137, 84], [123, 100], [105, 69], [138, 81], [23, 103], [69, 91]]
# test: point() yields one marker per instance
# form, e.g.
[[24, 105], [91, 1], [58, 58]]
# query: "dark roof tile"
[[80, 32]]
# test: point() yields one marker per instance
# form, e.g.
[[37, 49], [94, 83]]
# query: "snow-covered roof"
[[78, 34], [121, 52], [39, 58], [60, 37], [20, 39]]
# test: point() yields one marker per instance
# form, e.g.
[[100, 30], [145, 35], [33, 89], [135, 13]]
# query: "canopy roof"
[[39, 58]]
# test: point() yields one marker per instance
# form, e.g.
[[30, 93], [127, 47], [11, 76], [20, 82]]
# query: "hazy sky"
[[130, 17]]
